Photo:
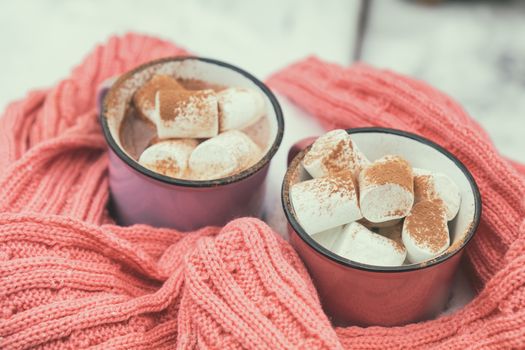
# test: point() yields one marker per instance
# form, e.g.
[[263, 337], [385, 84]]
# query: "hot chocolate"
[[381, 212], [171, 109]]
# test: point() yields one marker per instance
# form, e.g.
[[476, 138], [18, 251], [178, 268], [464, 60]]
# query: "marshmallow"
[[239, 108], [168, 158], [359, 244], [425, 231], [324, 203], [192, 114], [386, 189], [334, 152], [223, 155], [328, 237], [144, 97], [432, 185]]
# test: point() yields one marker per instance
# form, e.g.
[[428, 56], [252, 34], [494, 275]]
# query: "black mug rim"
[[194, 183], [290, 216]]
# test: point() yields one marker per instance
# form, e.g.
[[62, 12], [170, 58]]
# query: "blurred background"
[[472, 50]]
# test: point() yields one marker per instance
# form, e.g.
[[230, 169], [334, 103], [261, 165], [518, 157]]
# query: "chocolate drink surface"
[[137, 132]]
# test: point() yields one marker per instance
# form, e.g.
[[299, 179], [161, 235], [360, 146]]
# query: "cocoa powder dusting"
[[397, 213], [191, 101], [344, 182], [335, 155], [341, 185], [144, 97], [423, 187], [427, 224], [175, 102], [167, 166], [393, 170], [341, 158], [136, 131], [334, 161]]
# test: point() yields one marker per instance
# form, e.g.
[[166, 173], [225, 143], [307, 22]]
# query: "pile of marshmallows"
[[184, 117], [382, 213]]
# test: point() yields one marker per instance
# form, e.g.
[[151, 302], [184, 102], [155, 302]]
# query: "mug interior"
[[420, 153], [208, 70]]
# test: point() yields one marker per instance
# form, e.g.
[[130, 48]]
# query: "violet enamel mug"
[[141, 196], [354, 293]]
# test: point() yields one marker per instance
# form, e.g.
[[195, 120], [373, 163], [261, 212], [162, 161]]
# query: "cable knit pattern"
[[70, 278]]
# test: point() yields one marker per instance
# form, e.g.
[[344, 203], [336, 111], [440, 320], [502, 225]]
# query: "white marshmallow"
[[448, 192], [333, 152], [192, 114], [329, 237], [425, 231], [359, 244], [144, 97], [169, 157], [239, 108], [324, 203], [433, 185], [386, 189], [223, 155]]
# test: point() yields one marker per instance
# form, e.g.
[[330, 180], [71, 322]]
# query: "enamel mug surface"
[[141, 196], [353, 293]]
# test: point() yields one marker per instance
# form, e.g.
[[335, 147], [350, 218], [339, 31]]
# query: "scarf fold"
[[71, 278]]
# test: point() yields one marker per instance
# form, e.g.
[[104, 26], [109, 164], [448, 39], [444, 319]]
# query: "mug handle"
[[298, 147]]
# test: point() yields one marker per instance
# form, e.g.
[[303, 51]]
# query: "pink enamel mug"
[[141, 196], [354, 293]]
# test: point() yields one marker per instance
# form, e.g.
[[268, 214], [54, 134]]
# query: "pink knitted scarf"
[[70, 278]]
